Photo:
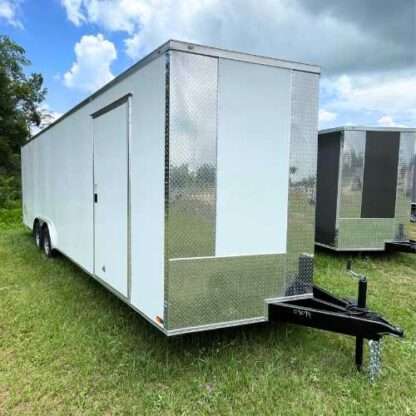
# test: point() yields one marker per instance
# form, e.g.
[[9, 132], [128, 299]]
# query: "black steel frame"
[[408, 246], [328, 312]]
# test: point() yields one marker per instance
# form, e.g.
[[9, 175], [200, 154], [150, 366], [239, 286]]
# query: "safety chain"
[[375, 359]]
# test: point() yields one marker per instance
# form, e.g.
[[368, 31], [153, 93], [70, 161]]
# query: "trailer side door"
[[111, 195]]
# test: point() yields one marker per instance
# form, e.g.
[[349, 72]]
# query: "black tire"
[[37, 234], [46, 242]]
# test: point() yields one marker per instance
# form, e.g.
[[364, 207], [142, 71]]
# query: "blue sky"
[[367, 54], [49, 39]]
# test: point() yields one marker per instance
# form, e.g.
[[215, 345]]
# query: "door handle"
[[95, 198]]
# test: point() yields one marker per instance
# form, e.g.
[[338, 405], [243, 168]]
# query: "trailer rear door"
[[111, 195]]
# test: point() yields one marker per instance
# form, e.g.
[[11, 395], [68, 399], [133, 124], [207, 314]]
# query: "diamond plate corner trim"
[[304, 283], [302, 170], [192, 155], [166, 208], [214, 290], [364, 233], [351, 175], [407, 156]]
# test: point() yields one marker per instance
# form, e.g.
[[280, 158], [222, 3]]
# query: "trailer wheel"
[[46, 242], [37, 234]]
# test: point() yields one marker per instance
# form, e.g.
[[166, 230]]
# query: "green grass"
[[68, 346], [10, 218]]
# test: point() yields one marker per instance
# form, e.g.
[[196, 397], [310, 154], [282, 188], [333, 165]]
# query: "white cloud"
[[8, 12], [378, 93], [281, 28], [391, 95], [112, 15], [133, 45], [92, 67], [285, 27], [387, 121], [200, 21], [48, 116], [326, 116], [73, 11]]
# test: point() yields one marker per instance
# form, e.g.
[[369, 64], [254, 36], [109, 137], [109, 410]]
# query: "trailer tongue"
[[408, 246], [328, 312], [402, 244]]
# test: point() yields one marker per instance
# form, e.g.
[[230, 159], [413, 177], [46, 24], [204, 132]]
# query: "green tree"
[[20, 98]]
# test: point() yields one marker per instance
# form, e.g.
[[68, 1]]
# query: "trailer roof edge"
[[242, 56], [176, 45], [366, 128]]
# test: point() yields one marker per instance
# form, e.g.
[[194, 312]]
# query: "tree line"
[[20, 98]]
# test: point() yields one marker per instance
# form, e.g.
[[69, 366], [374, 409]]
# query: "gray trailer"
[[414, 181], [364, 187], [413, 207]]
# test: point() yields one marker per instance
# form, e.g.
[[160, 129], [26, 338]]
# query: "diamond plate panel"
[[302, 179], [192, 155], [351, 175], [213, 290], [364, 233], [304, 283], [404, 191]]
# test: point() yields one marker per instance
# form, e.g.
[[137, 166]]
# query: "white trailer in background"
[[186, 185]]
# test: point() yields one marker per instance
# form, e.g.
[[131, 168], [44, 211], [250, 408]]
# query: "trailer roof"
[[366, 128], [175, 45]]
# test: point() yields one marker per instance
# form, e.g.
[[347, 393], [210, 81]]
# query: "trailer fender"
[[52, 230]]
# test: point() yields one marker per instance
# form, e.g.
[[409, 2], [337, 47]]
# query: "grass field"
[[68, 346]]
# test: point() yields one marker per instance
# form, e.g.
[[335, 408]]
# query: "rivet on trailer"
[[186, 186]]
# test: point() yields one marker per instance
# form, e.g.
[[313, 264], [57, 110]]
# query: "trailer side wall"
[[58, 184]]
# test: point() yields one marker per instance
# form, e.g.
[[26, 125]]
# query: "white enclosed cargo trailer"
[[186, 185]]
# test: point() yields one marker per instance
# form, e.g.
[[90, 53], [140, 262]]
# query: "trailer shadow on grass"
[[357, 255], [106, 319], [280, 340], [191, 346]]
